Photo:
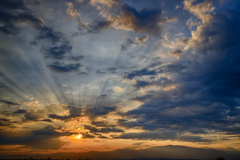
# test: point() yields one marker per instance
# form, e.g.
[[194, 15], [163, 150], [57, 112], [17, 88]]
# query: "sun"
[[79, 136]]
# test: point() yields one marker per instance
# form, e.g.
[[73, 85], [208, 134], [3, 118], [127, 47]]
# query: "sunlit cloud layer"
[[135, 79]]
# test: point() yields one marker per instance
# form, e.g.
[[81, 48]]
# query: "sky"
[[120, 78]]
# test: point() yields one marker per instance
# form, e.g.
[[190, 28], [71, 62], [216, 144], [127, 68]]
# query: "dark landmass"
[[153, 153]]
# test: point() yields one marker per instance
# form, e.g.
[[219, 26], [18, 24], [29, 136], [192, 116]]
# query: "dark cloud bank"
[[207, 93]]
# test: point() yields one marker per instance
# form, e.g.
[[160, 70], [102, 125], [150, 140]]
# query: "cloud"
[[144, 21], [176, 52], [99, 111], [41, 114], [74, 112], [162, 135], [112, 69], [60, 45], [142, 39], [95, 27], [90, 128], [63, 68], [161, 82], [45, 138], [108, 130], [79, 1], [101, 124], [71, 12], [46, 120], [177, 7], [123, 16], [142, 72], [100, 72], [103, 96], [207, 84], [57, 52], [212, 37], [201, 10], [15, 11], [87, 136], [8, 102], [123, 48], [102, 130], [20, 111], [5, 122], [118, 89], [154, 64], [108, 3], [33, 43], [75, 58], [49, 34], [33, 115]]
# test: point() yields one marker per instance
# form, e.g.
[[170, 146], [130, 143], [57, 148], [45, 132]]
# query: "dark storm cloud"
[[63, 68], [142, 72], [15, 11], [44, 138], [206, 96], [57, 52], [95, 112], [102, 130], [8, 102], [74, 112]]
